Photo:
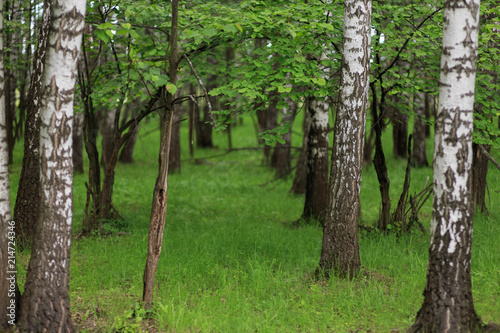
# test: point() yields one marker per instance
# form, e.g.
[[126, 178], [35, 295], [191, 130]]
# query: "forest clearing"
[[249, 166]]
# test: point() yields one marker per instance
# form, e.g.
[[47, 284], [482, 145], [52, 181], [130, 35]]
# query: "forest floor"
[[231, 262]]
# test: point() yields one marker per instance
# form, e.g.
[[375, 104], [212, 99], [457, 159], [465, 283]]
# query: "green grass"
[[230, 264]]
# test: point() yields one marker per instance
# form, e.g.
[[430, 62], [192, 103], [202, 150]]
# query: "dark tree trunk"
[[479, 173], [340, 247], [28, 193], [174, 160], [79, 119], [317, 162], [300, 179], [281, 159], [368, 147], [399, 130], [379, 159], [430, 110], [419, 157], [202, 124]]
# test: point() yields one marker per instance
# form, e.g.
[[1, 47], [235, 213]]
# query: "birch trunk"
[[28, 193], [45, 304], [448, 304], [7, 230], [340, 248], [316, 197]]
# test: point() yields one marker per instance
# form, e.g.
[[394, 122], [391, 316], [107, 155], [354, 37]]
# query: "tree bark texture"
[[448, 303], [8, 302], [340, 247], [316, 198], [45, 305], [28, 193], [159, 205], [419, 157], [299, 181]]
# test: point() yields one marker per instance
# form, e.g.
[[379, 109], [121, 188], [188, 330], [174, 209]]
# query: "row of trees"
[[280, 57]]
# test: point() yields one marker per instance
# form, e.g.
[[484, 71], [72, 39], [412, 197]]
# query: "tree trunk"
[[45, 305], [281, 159], [340, 248], [267, 120], [8, 301], [299, 181], [107, 127], [202, 125], [379, 160], [429, 111], [399, 130], [448, 302], [174, 160], [419, 157], [316, 197], [159, 205], [479, 173], [79, 119], [28, 193]]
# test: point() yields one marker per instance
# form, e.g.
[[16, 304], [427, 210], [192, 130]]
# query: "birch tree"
[[340, 249], [7, 230], [27, 201], [448, 304], [45, 303]]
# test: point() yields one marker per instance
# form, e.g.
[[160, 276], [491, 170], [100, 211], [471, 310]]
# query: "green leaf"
[[126, 26], [101, 34], [171, 88]]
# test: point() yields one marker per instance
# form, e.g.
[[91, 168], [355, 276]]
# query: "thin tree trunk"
[[399, 130], [28, 193], [419, 157], [175, 142], [300, 179], [340, 247], [108, 135], [79, 119], [159, 205], [379, 160], [448, 303], [45, 305]]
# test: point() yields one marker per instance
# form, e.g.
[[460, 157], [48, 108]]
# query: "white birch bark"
[[45, 304], [340, 249], [5, 211], [448, 304]]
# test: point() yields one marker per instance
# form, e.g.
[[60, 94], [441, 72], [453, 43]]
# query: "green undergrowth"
[[231, 262]]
